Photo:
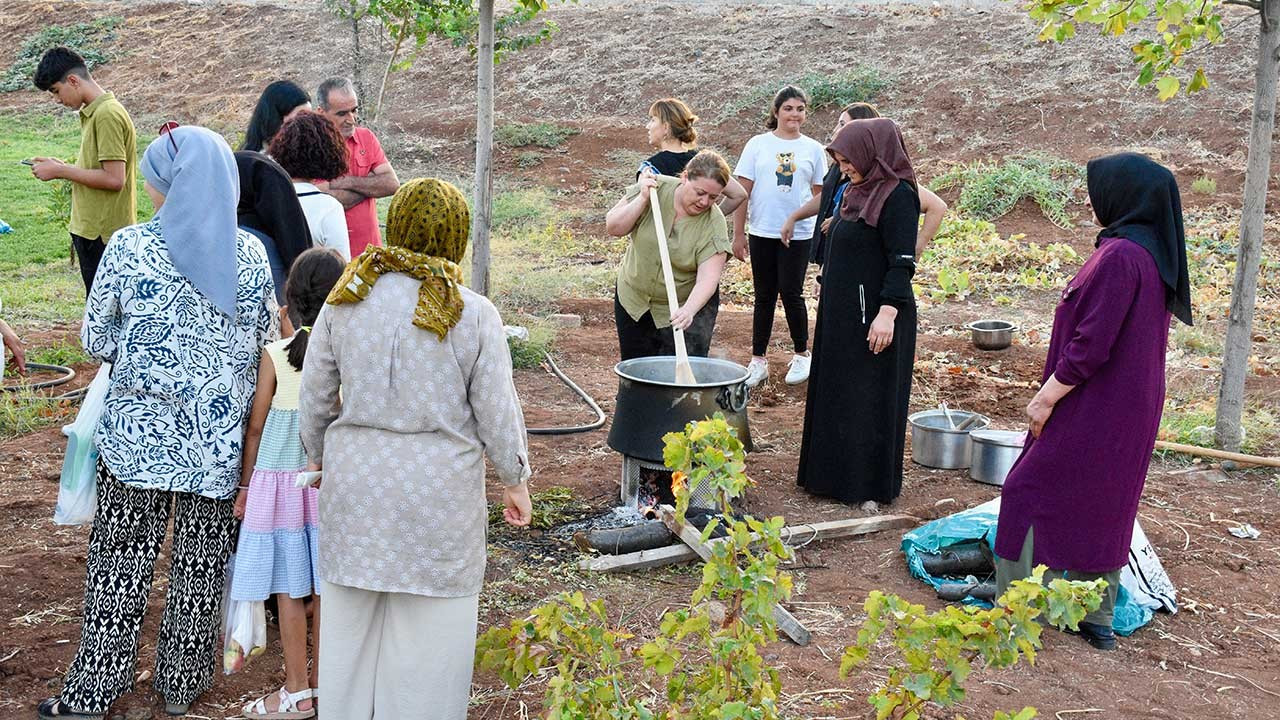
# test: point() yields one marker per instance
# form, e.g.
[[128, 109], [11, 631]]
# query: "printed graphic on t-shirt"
[[786, 170]]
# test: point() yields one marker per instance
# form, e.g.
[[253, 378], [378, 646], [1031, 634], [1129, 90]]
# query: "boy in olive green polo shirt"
[[106, 171]]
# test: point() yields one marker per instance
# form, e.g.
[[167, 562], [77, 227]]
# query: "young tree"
[[409, 25], [1182, 27]]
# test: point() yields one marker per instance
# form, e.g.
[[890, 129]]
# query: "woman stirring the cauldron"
[[1071, 498], [855, 419], [698, 242]]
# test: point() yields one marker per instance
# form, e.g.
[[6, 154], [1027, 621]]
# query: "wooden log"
[[1219, 454], [658, 557], [792, 534], [620, 541], [787, 622]]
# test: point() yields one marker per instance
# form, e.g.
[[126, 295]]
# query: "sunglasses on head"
[[167, 130]]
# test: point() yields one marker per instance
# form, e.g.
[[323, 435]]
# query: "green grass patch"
[[48, 293], [551, 507], [1204, 186], [528, 159], [528, 354], [536, 265], [92, 40], [1190, 422], [23, 411], [968, 256], [537, 258], [861, 83], [989, 190], [522, 207], [543, 134], [64, 354], [39, 282]]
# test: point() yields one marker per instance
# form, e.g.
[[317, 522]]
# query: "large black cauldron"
[[650, 403]]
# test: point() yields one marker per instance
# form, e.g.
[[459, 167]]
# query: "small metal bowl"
[[992, 334]]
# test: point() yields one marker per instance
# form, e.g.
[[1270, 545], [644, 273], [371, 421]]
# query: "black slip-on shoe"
[[54, 709], [1101, 637]]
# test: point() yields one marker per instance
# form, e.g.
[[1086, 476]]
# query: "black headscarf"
[[1137, 198], [269, 204]]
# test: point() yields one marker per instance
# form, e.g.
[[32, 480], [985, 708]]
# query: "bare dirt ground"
[[967, 82]]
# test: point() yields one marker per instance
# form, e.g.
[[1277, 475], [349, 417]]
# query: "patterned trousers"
[[128, 531]]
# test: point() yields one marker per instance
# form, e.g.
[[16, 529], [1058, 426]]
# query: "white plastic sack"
[[1144, 576], [244, 629], [78, 487]]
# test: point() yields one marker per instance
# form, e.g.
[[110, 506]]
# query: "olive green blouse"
[[691, 241]]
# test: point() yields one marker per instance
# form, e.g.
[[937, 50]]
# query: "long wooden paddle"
[[684, 371]]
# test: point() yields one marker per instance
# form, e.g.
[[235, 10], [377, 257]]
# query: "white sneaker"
[[799, 370], [757, 372]]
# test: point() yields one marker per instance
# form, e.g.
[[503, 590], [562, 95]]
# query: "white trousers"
[[395, 656]]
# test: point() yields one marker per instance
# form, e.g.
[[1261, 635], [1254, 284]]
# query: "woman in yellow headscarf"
[[427, 395]]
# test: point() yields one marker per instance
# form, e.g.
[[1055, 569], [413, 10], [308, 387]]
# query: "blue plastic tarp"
[[1144, 586]]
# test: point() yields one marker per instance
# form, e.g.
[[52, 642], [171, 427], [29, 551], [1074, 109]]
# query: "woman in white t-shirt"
[[310, 148], [780, 169]]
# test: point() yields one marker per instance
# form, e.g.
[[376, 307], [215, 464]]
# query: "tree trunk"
[[386, 75], [356, 60], [1244, 290], [482, 210]]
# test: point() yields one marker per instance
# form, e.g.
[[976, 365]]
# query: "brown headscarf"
[[427, 230], [877, 152]]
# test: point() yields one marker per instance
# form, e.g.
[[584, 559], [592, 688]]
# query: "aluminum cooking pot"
[[651, 404], [936, 443], [991, 334], [992, 454]]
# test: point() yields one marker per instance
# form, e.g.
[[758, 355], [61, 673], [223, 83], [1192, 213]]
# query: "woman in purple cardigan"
[[1070, 500]]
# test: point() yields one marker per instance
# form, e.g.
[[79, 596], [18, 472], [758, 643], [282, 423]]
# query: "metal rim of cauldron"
[[621, 372]]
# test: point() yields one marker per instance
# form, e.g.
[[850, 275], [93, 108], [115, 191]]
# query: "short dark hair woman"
[[279, 100], [310, 148], [1071, 498]]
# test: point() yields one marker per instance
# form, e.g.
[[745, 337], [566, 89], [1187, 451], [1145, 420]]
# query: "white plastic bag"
[[78, 487], [244, 629]]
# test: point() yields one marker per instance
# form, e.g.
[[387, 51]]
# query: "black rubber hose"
[[68, 374], [582, 394]]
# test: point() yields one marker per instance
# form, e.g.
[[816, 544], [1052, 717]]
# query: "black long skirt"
[[855, 417]]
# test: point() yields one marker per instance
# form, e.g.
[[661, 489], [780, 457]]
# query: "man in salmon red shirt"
[[369, 174]]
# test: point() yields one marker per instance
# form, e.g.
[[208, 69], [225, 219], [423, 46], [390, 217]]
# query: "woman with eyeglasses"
[[181, 307]]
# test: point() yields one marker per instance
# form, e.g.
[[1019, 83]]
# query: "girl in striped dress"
[[277, 548]]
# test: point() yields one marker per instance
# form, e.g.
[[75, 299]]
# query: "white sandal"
[[288, 710]]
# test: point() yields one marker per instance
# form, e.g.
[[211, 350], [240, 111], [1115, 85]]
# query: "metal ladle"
[[947, 412]]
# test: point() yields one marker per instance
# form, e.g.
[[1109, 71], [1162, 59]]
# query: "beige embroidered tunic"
[[402, 502]]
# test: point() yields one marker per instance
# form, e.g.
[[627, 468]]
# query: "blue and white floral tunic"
[[183, 373]]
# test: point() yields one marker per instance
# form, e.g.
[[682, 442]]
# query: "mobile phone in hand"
[[28, 163]]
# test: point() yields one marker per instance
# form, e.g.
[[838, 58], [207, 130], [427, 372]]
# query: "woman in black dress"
[[864, 340]]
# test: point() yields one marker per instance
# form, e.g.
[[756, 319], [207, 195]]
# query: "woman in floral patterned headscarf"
[[427, 395]]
